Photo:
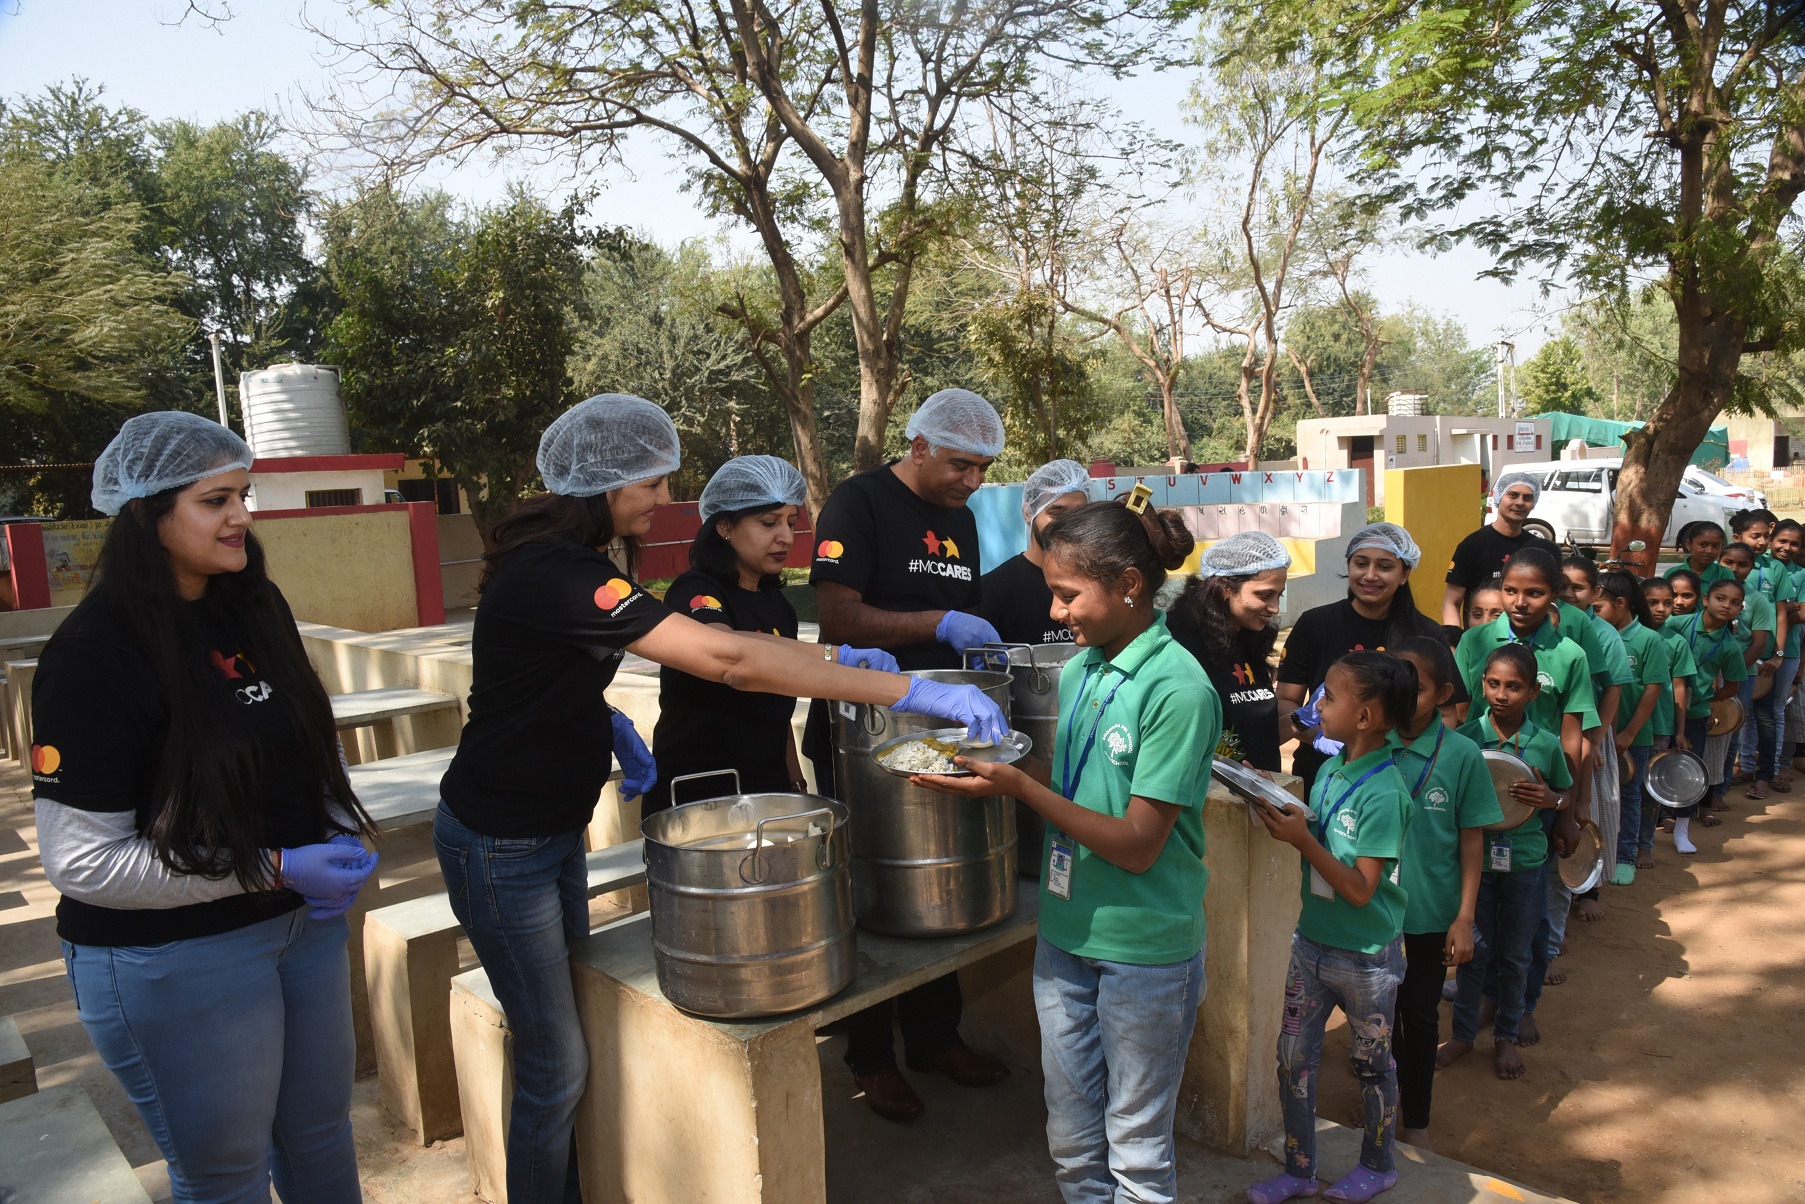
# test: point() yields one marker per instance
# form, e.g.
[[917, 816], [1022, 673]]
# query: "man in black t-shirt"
[[1481, 555], [1016, 599], [896, 567]]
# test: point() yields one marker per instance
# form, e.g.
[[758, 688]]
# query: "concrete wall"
[[460, 560], [1418, 441], [345, 570], [288, 490], [1439, 506]]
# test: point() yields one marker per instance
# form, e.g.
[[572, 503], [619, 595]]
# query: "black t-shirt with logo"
[[900, 553], [1481, 556], [1019, 604], [1250, 709], [538, 747], [1325, 634], [100, 719], [704, 725]]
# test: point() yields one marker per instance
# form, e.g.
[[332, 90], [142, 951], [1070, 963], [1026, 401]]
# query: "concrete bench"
[[15, 708], [369, 719], [365, 707], [399, 792], [482, 1051], [410, 955], [18, 1074], [55, 1149]]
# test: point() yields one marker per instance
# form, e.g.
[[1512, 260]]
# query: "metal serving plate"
[[1676, 778], [1506, 769], [1250, 786], [1582, 871], [1726, 716], [1012, 749]]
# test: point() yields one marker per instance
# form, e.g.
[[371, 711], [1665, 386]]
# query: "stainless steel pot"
[[751, 901], [1034, 711], [923, 864]]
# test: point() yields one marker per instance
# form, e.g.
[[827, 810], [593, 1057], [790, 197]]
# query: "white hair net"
[[607, 443], [748, 481], [959, 419], [164, 450], [1388, 538], [1050, 482], [1516, 478], [1243, 555]]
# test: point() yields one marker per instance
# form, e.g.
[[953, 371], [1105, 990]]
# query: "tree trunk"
[[1178, 440]]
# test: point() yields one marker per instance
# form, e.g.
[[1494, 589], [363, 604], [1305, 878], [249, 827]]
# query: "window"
[[334, 497], [1400, 444], [1589, 481], [1422, 443]]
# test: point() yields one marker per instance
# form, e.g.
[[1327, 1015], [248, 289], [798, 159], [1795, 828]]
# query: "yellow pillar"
[[1439, 505]]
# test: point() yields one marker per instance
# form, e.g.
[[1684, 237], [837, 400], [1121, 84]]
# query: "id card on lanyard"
[[1062, 855], [1319, 886]]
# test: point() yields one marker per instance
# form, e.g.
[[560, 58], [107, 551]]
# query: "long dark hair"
[[554, 518], [1103, 540], [203, 818], [1622, 585], [1388, 680], [1201, 613], [711, 553]]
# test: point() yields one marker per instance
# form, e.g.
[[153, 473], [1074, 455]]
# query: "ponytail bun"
[[1171, 541], [1103, 540]]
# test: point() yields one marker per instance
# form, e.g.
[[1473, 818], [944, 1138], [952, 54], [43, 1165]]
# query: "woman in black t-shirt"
[[555, 617], [748, 512], [1378, 613], [1224, 618], [193, 812]]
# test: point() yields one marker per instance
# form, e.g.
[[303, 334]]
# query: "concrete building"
[[1377, 442], [1767, 443]]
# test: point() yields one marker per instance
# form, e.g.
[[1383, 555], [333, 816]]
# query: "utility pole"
[[1507, 353], [219, 382]]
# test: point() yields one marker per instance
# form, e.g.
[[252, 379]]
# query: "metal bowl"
[[1676, 778], [1726, 716], [1013, 748], [1506, 769], [1582, 871], [1250, 786]]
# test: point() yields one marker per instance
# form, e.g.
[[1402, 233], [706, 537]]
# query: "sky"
[[147, 56]]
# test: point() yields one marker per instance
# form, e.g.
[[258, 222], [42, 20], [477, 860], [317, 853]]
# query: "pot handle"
[[758, 841], [874, 722], [982, 654], [711, 773]]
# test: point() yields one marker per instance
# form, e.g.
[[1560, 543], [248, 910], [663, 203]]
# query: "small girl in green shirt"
[[1347, 950]]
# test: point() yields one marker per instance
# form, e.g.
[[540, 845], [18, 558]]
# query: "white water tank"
[[293, 410]]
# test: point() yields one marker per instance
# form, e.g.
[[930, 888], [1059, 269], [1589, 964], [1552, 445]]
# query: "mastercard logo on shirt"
[[45, 758], [830, 549], [613, 593], [705, 602]]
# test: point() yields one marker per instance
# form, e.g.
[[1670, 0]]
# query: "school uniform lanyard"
[[1440, 735], [1323, 831], [1515, 746], [1723, 633], [1070, 777]]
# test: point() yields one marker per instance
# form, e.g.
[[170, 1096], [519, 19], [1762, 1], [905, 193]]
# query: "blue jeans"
[[1629, 811], [1774, 714], [522, 901], [1506, 921], [1113, 1040], [238, 1052], [1365, 986]]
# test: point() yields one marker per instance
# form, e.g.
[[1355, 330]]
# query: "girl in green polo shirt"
[[1719, 671], [1688, 590], [1670, 710], [1452, 801], [1347, 950], [1119, 962], [1759, 631], [1700, 543], [1620, 604], [1784, 546], [1513, 891]]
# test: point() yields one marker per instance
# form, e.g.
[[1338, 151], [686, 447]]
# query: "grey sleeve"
[[99, 858]]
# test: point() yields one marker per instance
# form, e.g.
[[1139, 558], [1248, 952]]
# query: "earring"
[[1129, 599]]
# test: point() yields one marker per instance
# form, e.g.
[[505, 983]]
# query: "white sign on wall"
[[1524, 440]]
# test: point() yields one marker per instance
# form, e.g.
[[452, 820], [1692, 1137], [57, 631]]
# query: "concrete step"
[[55, 1149], [364, 707]]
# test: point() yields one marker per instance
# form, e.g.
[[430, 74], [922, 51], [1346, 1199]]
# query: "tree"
[[455, 332], [1618, 139], [819, 123], [1554, 380]]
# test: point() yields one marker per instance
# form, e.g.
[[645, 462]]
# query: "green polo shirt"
[[1793, 590], [1539, 750], [1680, 667], [1560, 668], [1713, 653], [1617, 670], [1647, 653], [1711, 572], [1449, 790], [1370, 821], [1577, 625], [1767, 577], [1757, 615], [1155, 738]]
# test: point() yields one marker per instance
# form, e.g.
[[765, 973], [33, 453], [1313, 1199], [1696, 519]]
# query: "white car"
[[1578, 497], [1709, 482]]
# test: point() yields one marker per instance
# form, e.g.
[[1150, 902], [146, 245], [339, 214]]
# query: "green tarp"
[[1712, 454]]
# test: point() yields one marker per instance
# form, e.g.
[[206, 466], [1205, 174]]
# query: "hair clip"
[[1138, 498]]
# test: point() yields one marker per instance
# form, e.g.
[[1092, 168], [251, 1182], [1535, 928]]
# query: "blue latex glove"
[[866, 658], [964, 631], [983, 719], [639, 772], [327, 875], [330, 909]]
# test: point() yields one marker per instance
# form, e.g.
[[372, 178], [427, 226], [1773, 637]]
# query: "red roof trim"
[[385, 462]]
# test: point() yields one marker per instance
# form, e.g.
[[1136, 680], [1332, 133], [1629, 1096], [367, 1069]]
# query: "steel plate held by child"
[[933, 752]]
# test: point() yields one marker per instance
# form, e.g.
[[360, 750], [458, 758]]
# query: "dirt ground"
[[1672, 1071]]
